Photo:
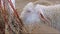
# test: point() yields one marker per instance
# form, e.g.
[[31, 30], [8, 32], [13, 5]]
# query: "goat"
[[33, 16]]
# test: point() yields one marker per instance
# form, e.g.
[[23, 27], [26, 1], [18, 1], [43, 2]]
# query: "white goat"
[[33, 15]]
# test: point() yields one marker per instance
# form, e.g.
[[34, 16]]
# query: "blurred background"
[[21, 3]]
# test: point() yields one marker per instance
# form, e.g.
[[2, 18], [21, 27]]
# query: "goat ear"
[[38, 9], [44, 19]]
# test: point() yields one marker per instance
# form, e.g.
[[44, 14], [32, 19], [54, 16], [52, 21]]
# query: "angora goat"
[[33, 17]]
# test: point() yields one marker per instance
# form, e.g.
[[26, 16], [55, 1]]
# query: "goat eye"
[[28, 11]]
